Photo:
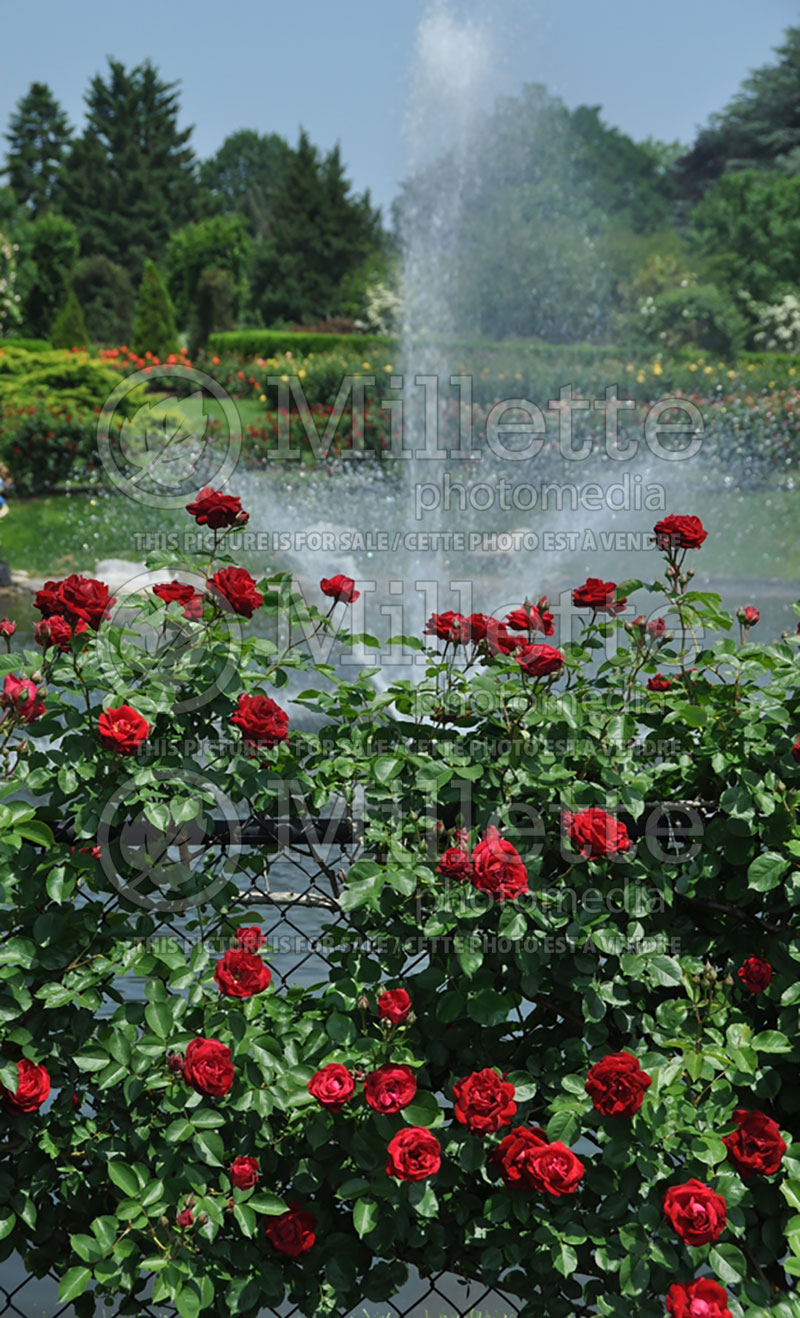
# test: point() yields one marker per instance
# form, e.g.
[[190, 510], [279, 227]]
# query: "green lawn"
[[62, 533]]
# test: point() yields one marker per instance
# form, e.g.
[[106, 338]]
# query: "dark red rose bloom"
[[390, 1088], [83, 598], [528, 1162], [757, 1146], [452, 627], [748, 615], [292, 1233], [597, 834], [455, 864], [122, 729], [214, 509], [332, 1086], [7, 627], [796, 751], [497, 867], [616, 1085], [394, 1005], [659, 683], [676, 532], [260, 721], [499, 639], [244, 1173], [235, 585], [477, 624], [755, 974], [240, 974], [250, 939], [598, 595], [656, 627], [696, 1212], [21, 695], [531, 618], [55, 630], [33, 1087], [47, 600], [340, 588], [185, 1217], [182, 593], [208, 1068], [484, 1101], [539, 660], [703, 1298], [414, 1154]]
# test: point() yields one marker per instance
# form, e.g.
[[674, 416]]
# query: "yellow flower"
[[365, 366], [791, 370], [640, 377], [387, 367], [284, 377], [750, 366], [629, 366], [771, 384], [518, 375], [692, 366], [721, 365], [302, 373], [731, 375], [262, 398], [708, 370], [658, 368]]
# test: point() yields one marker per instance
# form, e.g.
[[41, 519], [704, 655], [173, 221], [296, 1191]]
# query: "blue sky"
[[341, 68]]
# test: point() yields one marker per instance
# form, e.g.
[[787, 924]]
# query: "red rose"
[[33, 1087], [656, 627], [748, 615], [757, 1146], [659, 683], [675, 532], [539, 660], [293, 1232], [185, 1217], [260, 721], [451, 627], [55, 630], [340, 588], [390, 1088], [455, 864], [215, 509], [21, 695], [598, 595], [84, 598], [236, 586], [696, 1212], [755, 974], [332, 1086], [182, 593], [616, 1085], [796, 751], [240, 974], [122, 729], [527, 1161], [7, 627], [394, 1005], [208, 1068], [596, 833], [47, 600], [477, 624], [484, 1102], [250, 939], [413, 1154], [531, 618], [499, 639], [497, 867], [244, 1173], [703, 1298]]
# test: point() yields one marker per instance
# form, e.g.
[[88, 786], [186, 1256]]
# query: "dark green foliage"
[[746, 229], [44, 446], [130, 178], [213, 308], [267, 343], [106, 295], [69, 328], [38, 136], [219, 243], [244, 175], [49, 249], [154, 325]]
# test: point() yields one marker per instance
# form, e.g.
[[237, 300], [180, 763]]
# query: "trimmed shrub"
[[69, 328], [154, 325]]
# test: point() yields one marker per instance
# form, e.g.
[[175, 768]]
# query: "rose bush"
[[556, 1047]]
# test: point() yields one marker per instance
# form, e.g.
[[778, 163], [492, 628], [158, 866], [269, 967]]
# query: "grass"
[[62, 533]]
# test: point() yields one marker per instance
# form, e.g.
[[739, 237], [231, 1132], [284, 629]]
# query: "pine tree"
[[244, 175], [154, 324], [69, 328], [38, 137], [131, 177]]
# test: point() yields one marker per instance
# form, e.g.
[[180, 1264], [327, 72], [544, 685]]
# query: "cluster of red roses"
[[492, 637]]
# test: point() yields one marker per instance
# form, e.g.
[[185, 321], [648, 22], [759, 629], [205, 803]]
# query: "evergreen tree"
[[130, 178], [154, 324], [49, 249], [106, 295], [38, 136], [69, 328], [244, 176]]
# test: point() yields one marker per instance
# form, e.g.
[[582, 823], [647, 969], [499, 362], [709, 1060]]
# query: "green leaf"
[[423, 1110], [125, 1178], [728, 1263], [246, 1218], [771, 1041], [264, 1202], [664, 970], [469, 951], [386, 767], [36, 831], [365, 1215], [159, 1016], [73, 1284], [565, 1260], [766, 872], [210, 1147]]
